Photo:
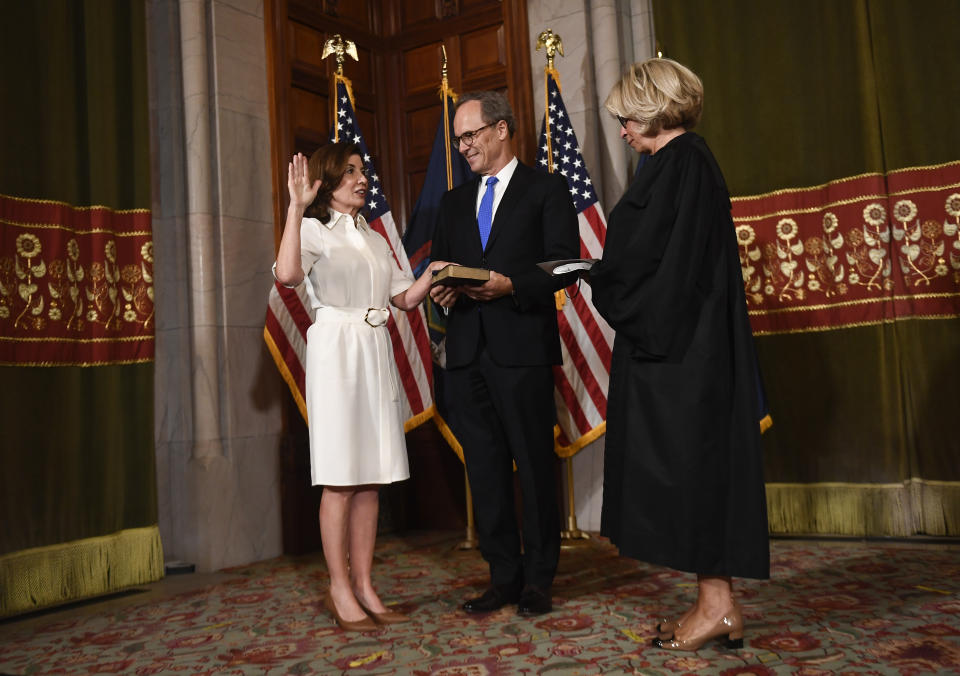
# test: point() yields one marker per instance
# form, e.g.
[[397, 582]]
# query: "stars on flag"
[[567, 157], [349, 130]]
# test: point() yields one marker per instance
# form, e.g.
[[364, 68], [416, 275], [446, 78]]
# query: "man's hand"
[[498, 285], [444, 296]]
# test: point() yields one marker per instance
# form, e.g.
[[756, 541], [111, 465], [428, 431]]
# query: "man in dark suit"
[[502, 342]]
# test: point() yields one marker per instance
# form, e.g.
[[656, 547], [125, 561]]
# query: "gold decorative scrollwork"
[[35, 292]]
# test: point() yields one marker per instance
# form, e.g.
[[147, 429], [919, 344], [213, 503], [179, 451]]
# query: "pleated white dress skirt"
[[353, 401]]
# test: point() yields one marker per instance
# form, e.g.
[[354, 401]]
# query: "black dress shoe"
[[534, 601], [494, 598]]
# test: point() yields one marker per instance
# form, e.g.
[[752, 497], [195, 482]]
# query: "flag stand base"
[[573, 536]]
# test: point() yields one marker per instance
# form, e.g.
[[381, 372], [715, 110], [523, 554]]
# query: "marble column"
[[203, 250], [600, 39], [217, 392]]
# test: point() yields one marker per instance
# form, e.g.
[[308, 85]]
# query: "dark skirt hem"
[[758, 571]]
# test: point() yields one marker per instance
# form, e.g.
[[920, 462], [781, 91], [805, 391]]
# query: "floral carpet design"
[[829, 607]]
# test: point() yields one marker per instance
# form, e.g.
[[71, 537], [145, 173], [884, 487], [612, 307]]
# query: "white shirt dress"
[[353, 390]]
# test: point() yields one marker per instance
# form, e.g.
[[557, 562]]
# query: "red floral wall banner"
[[856, 251], [76, 284]]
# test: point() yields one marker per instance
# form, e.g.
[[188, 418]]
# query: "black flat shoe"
[[493, 599], [534, 601]]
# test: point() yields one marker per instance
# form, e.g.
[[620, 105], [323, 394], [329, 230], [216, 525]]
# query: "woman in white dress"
[[353, 396]]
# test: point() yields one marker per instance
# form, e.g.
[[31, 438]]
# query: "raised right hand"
[[302, 191]]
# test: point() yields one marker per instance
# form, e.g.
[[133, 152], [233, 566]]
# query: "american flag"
[[289, 314], [586, 339]]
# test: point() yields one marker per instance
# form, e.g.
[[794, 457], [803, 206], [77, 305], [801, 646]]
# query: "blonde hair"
[[658, 94]]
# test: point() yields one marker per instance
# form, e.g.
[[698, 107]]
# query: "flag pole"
[[470, 539], [552, 43], [339, 49], [444, 93]]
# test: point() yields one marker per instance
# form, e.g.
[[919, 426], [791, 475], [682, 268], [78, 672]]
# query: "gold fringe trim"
[[44, 576], [916, 506], [285, 373], [420, 418], [845, 179], [578, 445], [447, 434], [87, 207]]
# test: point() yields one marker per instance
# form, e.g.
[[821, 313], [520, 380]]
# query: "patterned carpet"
[[830, 607]]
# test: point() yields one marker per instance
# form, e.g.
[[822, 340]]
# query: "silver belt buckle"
[[366, 317]]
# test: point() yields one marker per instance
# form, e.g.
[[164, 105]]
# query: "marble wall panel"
[[213, 242], [172, 382], [255, 522], [251, 7], [178, 537], [244, 170], [240, 57], [248, 256], [232, 515], [641, 20], [566, 19], [220, 511], [588, 485], [252, 387]]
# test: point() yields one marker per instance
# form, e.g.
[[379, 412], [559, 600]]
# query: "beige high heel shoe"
[[667, 628], [386, 617], [366, 624], [731, 625]]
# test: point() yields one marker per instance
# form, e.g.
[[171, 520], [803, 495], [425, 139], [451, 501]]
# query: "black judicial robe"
[[683, 478]]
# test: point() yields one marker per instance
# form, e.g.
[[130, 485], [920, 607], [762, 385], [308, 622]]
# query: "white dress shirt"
[[503, 179]]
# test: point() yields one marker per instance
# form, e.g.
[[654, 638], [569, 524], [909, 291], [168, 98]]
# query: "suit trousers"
[[503, 415]]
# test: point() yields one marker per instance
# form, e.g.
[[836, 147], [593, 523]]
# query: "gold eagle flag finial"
[[340, 48], [552, 43], [443, 67]]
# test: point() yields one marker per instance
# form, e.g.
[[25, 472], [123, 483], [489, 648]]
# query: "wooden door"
[[395, 84]]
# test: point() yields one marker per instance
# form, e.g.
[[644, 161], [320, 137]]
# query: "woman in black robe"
[[683, 479]]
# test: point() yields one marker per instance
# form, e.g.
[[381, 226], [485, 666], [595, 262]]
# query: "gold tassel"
[[915, 506], [560, 298], [45, 576], [766, 422]]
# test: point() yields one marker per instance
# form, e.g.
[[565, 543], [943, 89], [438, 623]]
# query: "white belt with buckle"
[[374, 317], [371, 316]]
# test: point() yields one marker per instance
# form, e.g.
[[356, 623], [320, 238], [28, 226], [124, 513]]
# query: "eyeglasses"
[[468, 137], [623, 121]]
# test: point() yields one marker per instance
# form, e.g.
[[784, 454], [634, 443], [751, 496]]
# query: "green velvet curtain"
[[798, 94], [77, 472]]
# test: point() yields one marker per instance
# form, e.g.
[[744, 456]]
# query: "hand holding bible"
[[498, 285]]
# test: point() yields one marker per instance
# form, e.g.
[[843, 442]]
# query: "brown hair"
[[329, 164]]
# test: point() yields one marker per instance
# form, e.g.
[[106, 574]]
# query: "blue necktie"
[[485, 215]]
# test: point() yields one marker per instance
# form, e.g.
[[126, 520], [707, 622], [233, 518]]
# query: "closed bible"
[[455, 275]]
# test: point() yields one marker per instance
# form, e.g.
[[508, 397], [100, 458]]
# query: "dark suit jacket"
[[535, 221]]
